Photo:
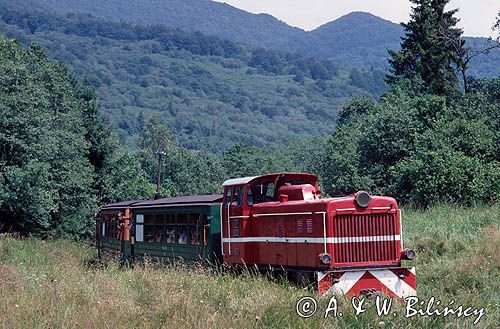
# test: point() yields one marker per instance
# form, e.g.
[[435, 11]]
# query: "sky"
[[476, 16]]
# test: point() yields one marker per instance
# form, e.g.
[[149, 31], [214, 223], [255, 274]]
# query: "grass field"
[[60, 284]]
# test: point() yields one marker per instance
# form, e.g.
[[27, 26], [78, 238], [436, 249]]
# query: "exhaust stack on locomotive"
[[348, 245]]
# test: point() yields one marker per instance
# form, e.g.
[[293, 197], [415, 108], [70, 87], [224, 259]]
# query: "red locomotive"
[[350, 245]]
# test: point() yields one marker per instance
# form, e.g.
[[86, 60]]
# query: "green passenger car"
[[183, 228]]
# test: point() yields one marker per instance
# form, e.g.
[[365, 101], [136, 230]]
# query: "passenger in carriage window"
[[159, 236], [195, 236], [170, 234], [183, 237]]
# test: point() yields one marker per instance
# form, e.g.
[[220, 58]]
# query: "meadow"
[[62, 284]]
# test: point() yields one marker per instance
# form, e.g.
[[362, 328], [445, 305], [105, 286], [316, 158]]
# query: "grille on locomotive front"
[[365, 238]]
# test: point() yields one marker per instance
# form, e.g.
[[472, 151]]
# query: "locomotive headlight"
[[325, 258], [363, 199], [408, 254]]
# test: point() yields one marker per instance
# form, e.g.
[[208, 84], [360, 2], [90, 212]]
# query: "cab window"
[[249, 197], [236, 196], [261, 192], [228, 197]]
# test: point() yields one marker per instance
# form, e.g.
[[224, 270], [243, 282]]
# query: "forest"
[[429, 138], [209, 91]]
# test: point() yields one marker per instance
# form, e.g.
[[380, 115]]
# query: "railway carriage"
[[186, 228], [348, 245]]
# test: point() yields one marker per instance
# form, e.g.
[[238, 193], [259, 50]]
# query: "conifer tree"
[[428, 56]]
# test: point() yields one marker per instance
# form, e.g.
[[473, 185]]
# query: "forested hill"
[[207, 16], [211, 92], [357, 40]]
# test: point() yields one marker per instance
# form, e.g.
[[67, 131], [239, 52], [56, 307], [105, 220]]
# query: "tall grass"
[[61, 284]]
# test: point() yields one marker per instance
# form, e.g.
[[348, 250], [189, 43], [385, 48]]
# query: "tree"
[[156, 136], [182, 171], [124, 178], [46, 175], [241, 160], [355, 108], [97, 134], [425, 57], [422, 149]]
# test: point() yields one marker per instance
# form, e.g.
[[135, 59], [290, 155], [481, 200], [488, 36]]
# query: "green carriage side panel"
[[111, 247], [127, 252], [189, 253], [110, 244], [168, 252]]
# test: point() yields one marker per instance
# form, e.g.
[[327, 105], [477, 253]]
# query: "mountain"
[[211, 92], [356, 40]]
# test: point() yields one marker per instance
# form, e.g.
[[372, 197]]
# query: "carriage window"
[[159, 233], [170, 228], [149, 228], [170, 233], [106, 224], [182, 234], [194, 224], [195, 234], [182, 229], [111, 226]]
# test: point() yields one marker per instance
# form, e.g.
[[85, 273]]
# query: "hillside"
[[356, 40], [209, 17], [58, 283], [211, 92]]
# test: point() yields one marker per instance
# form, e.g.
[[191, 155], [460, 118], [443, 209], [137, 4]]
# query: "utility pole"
[[158, 174]]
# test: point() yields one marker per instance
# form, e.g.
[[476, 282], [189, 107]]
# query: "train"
[[348, 245]]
